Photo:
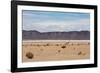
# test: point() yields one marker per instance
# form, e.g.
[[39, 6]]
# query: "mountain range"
[[71, 35]]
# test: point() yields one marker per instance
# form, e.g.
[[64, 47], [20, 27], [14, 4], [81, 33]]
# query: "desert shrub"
[[88, 43], [59, 51], [30, 44], [72, 44], [57, 44], [63, 46], [38, 45], [79, 53], [29, 55], [47, 44], [74, 48], [78, 44]]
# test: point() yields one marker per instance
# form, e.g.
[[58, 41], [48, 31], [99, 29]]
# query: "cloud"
[[48, 26], [55, 21]]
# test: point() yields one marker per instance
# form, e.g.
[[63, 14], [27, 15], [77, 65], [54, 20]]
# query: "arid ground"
[[54, 50]]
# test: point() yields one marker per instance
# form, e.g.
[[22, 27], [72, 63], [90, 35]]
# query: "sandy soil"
[[55, 50]]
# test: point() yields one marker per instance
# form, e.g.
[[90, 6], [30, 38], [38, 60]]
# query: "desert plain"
[[55, 50]]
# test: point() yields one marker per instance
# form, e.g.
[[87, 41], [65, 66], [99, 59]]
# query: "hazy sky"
[[45, 21]]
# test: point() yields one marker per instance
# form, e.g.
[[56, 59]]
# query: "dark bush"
[[29, 55], [63, 46]]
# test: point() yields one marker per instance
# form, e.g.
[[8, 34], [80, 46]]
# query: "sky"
[[50, 21]]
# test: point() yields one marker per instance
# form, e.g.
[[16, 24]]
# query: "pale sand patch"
[[53, 50]]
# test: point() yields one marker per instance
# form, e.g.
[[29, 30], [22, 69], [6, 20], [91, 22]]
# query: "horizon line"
[[57, 31]]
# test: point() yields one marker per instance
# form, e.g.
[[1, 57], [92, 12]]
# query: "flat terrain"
[[54, 50]]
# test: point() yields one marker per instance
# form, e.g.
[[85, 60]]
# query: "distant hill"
[[72, 35]]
